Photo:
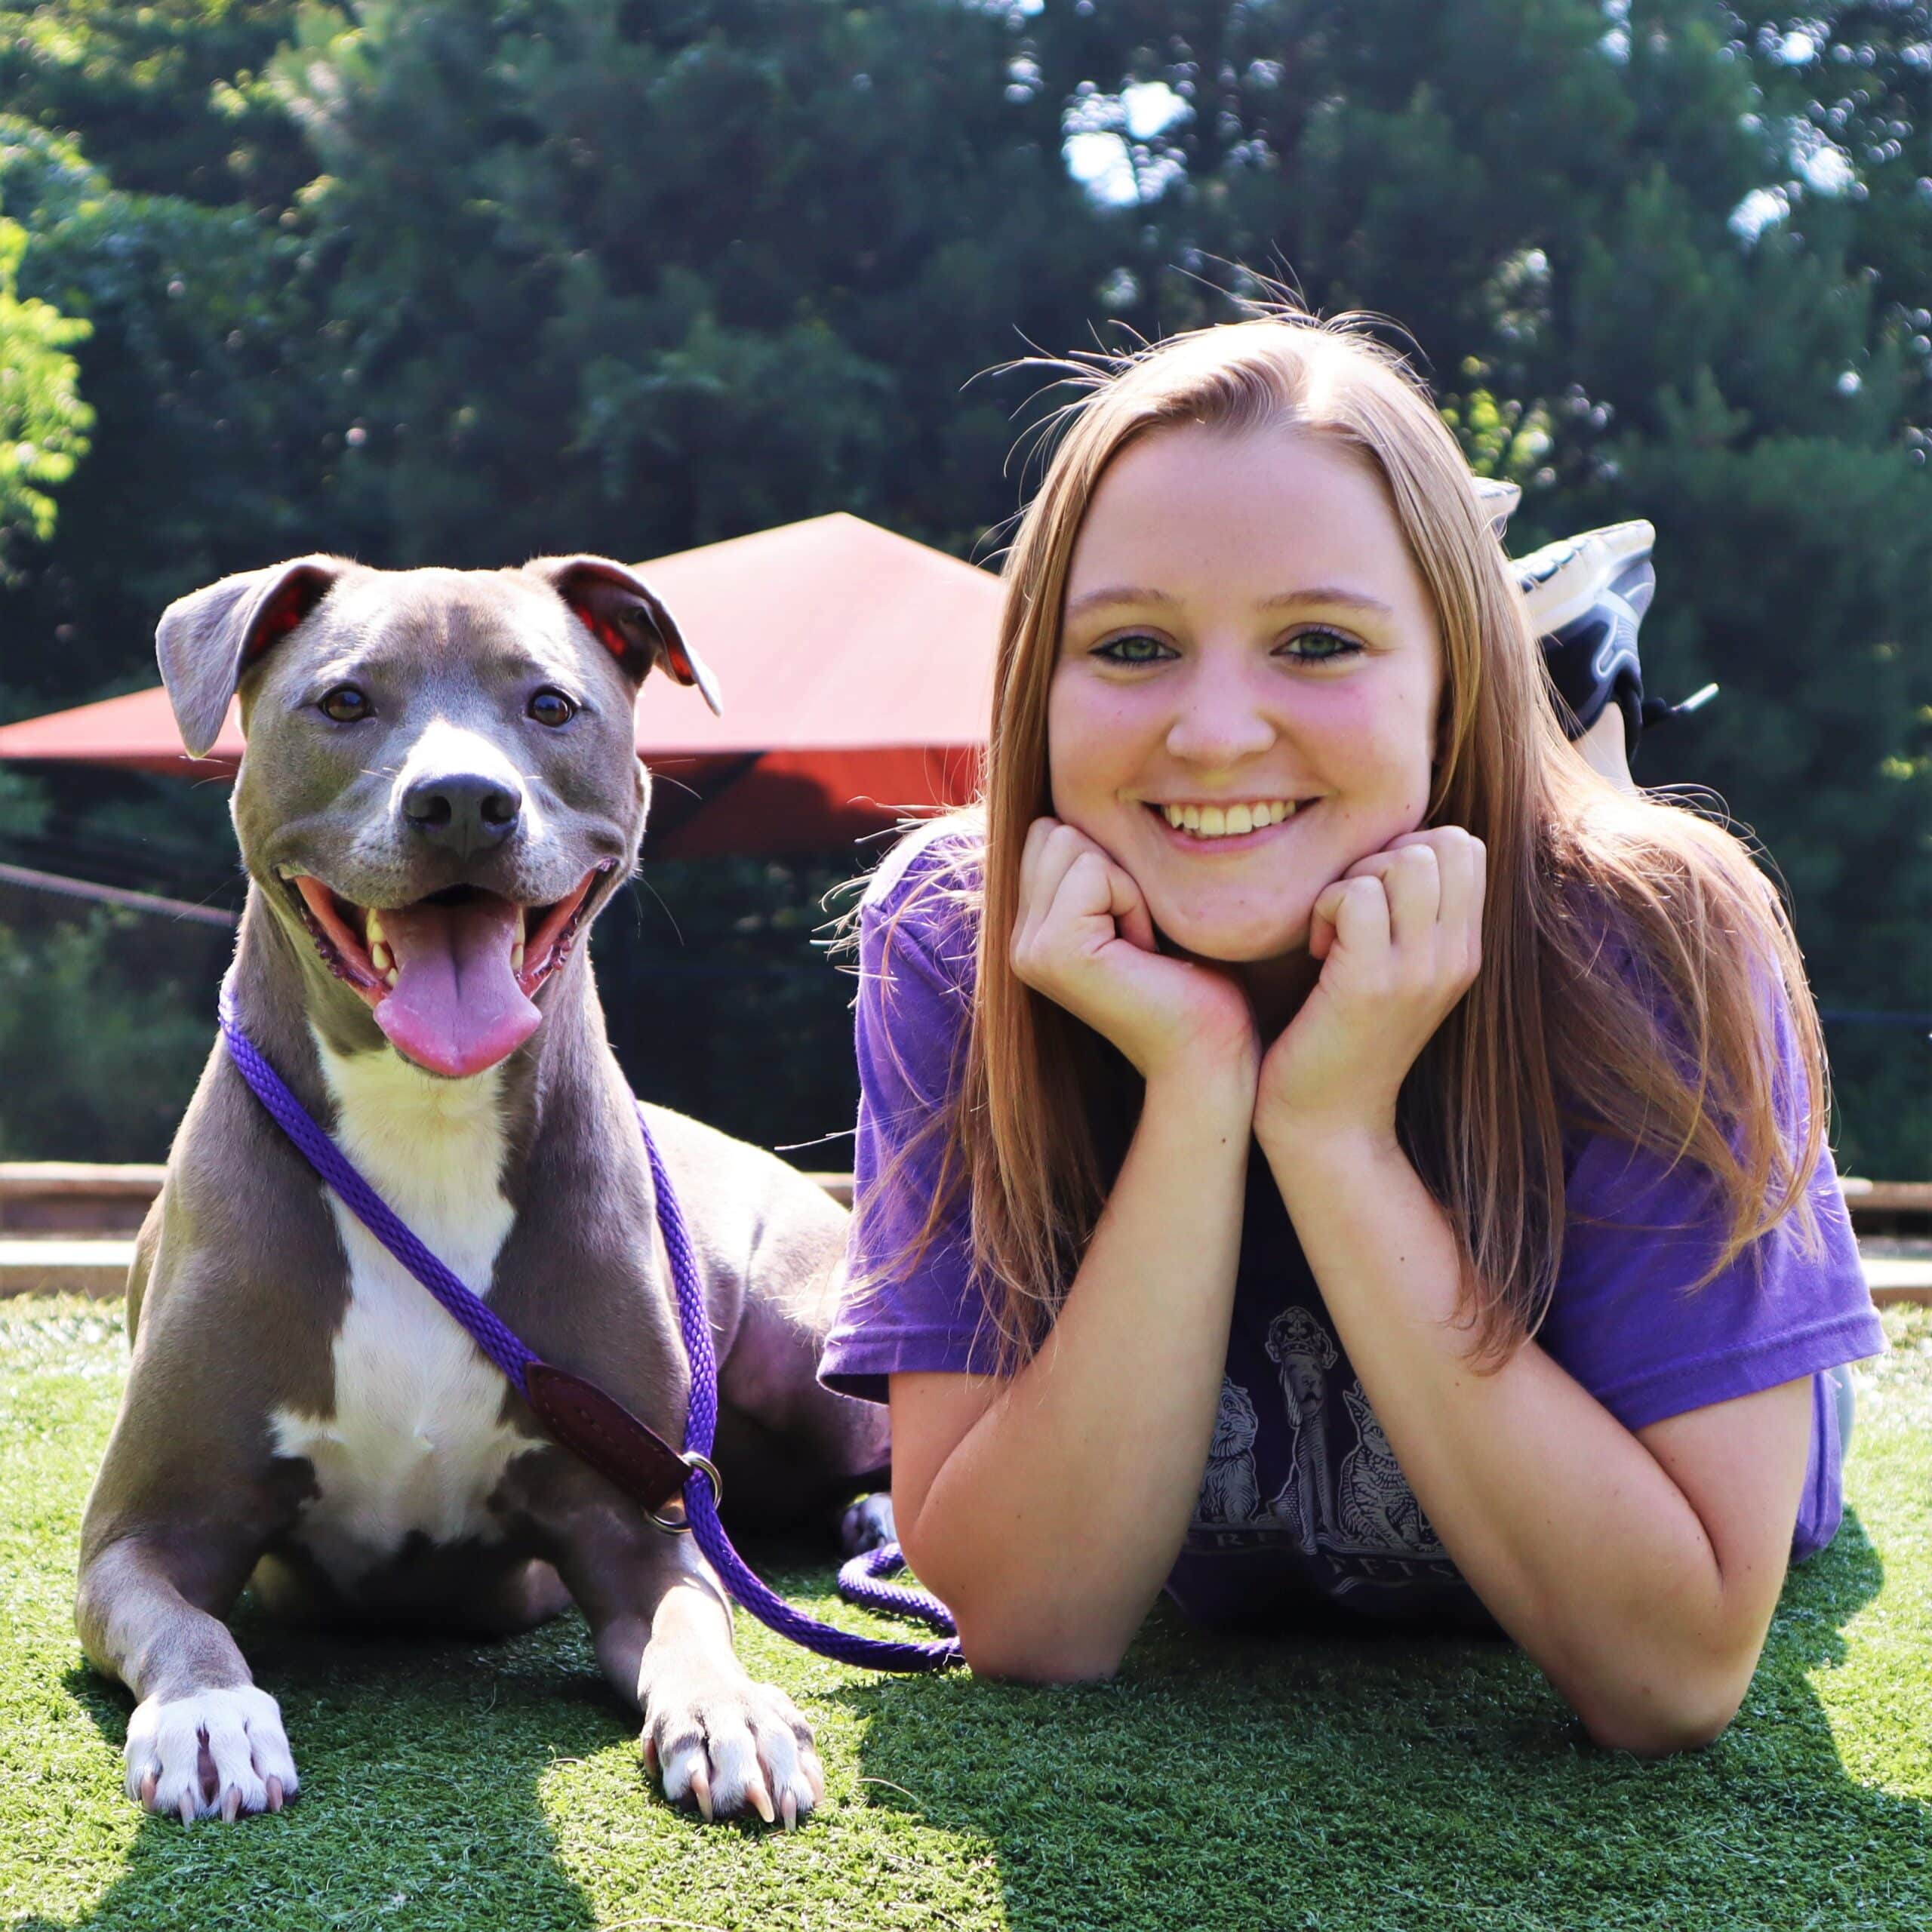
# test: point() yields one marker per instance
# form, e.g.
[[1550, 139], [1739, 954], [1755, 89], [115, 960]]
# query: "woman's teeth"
[[1228, 821]]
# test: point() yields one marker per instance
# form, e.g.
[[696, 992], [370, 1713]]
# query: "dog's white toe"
[[231, 1740], [739, 1748]]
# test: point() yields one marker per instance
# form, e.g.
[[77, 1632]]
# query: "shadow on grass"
[[421, 1765], [1363, 1783]]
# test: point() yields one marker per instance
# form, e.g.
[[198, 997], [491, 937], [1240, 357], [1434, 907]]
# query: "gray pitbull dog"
[[441, 791]]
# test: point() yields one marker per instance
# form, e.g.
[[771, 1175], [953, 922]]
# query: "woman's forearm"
[[1051, 1526], [1564, 1523]]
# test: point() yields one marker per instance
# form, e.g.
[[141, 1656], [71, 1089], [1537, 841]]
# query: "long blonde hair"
[[1633, 954]]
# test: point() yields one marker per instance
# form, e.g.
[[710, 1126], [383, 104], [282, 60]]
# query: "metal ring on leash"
[[699, 1465]]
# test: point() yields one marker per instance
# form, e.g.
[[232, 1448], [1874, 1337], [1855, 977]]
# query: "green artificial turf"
[[1319, 1782]]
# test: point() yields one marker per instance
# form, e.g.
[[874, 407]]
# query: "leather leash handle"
[[596, 1426]]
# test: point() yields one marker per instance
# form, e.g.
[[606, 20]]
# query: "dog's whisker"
[[668, 913]]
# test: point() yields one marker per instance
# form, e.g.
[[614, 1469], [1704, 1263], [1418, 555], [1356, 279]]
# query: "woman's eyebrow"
[[1330, 595], [1115, 593]]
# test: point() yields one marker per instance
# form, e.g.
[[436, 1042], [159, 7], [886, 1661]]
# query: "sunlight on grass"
[[1318, 1783]]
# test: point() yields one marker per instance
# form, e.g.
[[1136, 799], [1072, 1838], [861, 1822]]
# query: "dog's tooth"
[[372, 933], [380, 956], [516, 957], [391, 976]]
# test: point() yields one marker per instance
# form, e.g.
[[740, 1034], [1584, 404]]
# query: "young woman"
[[1322, 1147]]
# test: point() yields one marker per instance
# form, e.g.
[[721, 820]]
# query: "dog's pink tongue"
[[456, 1006]]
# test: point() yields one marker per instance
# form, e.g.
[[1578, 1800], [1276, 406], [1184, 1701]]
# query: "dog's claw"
[[701, 1791], [275, 1794], [231, 1805], [148, 1784], [187, 1807], [788, 1807], [761, 1800]]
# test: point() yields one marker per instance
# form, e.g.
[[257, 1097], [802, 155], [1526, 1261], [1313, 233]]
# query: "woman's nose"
[[1222, 722]]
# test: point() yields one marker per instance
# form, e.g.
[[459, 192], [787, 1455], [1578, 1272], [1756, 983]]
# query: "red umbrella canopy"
[[856, 671]]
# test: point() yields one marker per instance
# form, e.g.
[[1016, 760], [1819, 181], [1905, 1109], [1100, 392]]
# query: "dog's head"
[[442, 786]]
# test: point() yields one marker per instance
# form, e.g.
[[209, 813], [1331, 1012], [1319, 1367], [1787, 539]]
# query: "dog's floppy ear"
[[207, 640], [624, 614]]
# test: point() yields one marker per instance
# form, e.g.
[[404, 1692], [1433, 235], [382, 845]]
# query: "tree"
[[207, 444], [43, 421], [695, 268]]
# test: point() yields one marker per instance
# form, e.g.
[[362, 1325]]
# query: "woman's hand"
[[1083, 937], [1399, 936]]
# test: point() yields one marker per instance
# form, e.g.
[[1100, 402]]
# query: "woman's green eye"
[[347, 704], [1320, 647], [1137, 650]]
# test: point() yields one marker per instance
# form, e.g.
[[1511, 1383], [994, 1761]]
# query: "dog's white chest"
[[415, 1444]]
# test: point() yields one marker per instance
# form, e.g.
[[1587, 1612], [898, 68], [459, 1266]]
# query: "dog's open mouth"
[[451, 978]]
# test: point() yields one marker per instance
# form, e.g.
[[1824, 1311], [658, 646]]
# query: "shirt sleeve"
[[907, 1314], [1627, 1320]]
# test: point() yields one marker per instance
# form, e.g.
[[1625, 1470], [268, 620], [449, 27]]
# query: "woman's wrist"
[[1308, 1152], [1218, 1088]]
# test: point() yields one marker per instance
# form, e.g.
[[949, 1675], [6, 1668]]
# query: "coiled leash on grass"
[[592, 1423]]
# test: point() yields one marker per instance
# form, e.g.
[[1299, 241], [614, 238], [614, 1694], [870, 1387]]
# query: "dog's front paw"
[[217, 1753], [731, 1746]]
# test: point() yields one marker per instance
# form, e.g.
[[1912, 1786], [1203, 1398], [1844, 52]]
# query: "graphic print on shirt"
[[1229, 1492], [1303, 1352], [1377, 1509]]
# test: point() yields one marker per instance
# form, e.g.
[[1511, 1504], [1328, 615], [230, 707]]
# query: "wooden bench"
[[66, 1227]]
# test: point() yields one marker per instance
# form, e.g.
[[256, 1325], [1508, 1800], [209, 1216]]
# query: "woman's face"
[[1246, 641]]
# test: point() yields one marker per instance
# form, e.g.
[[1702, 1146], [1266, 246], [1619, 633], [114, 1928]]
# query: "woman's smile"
[[1215, 822]]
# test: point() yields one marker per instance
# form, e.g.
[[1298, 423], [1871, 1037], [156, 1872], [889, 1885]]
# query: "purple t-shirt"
[[1303, 1504]]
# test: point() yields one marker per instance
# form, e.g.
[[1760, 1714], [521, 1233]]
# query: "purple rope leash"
[[701, 1505], [858, 1580], [501, 1344]]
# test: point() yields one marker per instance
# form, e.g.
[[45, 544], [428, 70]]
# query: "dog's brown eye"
[[345, 704], [549, 707]]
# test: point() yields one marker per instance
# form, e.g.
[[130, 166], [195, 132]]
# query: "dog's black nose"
[[464, 810]]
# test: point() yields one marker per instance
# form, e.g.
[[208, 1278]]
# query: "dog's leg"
[[173, 1526], [662, 1626], [202, 1741]]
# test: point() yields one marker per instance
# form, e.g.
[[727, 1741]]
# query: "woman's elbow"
[[1000, 1634], [1024, 1656], [1686, 1717]]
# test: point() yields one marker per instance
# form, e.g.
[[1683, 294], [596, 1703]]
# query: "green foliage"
[[103, 1029], [43, 421], [163, 94], [699, 268], [206, 425]]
